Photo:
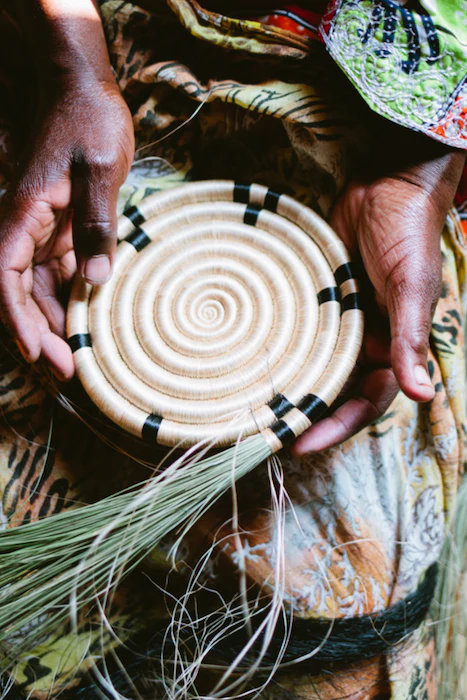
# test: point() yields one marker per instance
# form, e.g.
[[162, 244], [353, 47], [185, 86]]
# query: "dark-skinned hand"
[[392, 223], [61, 215]]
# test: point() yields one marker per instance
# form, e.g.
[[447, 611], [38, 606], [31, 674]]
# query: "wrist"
[[394, 149], [428, 165], [66, 40]]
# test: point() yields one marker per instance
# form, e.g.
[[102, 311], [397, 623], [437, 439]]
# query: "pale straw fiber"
[[231, 311]]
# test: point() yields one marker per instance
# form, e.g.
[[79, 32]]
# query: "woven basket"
[[232, 318], [232, 311]]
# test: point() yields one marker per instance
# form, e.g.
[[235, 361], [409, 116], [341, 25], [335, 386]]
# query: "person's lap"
[[370, 515]]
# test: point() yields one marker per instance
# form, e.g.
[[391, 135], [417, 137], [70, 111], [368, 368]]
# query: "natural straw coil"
[[231, 311]]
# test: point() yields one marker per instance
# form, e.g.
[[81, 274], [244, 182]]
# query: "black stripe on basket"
[[241, 193], [345, 272], [329, 294], [79, 340], [352, 301], [279, 405], [283, 432], [251, 214], [151, 427], [312, 406], [138, 239], [271, 201], [135, 216]]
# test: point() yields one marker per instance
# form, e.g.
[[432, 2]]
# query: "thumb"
[[412, 293], [95, 192]]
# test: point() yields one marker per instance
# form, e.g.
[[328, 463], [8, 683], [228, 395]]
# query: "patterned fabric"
[[371, 514], [408, 59]]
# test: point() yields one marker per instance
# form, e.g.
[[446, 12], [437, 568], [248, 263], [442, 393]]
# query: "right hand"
[[393, 223], [60, 214]]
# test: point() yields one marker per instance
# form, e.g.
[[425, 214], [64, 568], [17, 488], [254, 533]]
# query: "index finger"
[[376, 392]]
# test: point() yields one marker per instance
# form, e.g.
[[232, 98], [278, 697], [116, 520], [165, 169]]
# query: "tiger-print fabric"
[[372, 512]]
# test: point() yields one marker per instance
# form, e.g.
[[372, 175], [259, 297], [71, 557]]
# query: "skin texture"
[[392, 222], [60, 214], [60, 217]]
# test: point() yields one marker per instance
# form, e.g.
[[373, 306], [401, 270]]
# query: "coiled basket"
[[232, 311], [232, 320]]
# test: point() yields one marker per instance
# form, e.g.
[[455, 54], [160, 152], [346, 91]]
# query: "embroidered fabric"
[[407, 59]]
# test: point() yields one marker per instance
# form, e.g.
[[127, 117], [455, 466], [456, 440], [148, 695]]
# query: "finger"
[[25, 222], [16, 316], [61, 243], [53, 349], [95, 192], [376, 393], [411, 299], [377, 343], [28, 222], [58, 355], [30, 329], [23, 318], [47, 292], [16, 253]]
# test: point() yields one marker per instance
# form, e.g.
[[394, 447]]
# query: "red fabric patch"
[[291, 21]]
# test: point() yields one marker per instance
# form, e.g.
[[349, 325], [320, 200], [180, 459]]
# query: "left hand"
[[393, 223]]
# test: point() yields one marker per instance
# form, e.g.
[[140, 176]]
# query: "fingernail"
[[23, 351], [422, 376], [97, 269]]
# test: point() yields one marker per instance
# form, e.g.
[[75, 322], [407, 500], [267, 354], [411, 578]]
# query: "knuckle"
[[90, 231], [414, 339], [93, 226], [407, 272], [26, 196], [372, 410], [342, 426], [419, 338], [416, 279], [100, 162]]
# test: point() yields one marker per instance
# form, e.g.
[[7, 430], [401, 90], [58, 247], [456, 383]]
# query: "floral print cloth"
[[258, 97]]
